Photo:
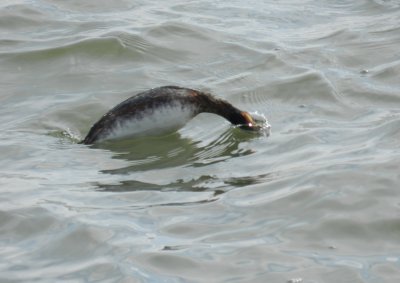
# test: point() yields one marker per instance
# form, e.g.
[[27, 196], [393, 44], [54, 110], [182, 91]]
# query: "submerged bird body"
[[160, 110]]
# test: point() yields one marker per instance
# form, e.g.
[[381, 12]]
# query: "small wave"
[[66, 135], [22, 17], [105, 47]]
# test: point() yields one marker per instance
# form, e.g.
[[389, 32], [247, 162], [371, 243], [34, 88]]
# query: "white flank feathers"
[[157, 121]]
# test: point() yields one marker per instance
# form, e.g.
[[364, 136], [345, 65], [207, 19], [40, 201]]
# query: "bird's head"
[[247, 119]]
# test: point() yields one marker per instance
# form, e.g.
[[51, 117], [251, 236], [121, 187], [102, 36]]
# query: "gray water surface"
[[316, 201]]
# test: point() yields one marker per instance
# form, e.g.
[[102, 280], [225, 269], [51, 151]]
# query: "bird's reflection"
[[156, 155]]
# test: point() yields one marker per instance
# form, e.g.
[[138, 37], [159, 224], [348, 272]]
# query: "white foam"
[[258, 118], [264, 127]]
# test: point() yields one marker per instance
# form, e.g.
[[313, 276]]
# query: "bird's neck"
[[222, 108]]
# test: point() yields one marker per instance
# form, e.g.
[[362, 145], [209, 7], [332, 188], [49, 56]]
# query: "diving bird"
[[161, 110]]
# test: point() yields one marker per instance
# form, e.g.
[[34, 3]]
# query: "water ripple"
[[315, 201]]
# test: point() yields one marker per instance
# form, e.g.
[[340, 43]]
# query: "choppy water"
[[316, 201]]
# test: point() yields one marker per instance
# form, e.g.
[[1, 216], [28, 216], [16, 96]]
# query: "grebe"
[[160, 110]]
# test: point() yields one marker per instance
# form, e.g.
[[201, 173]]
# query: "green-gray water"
[[316, 201]]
